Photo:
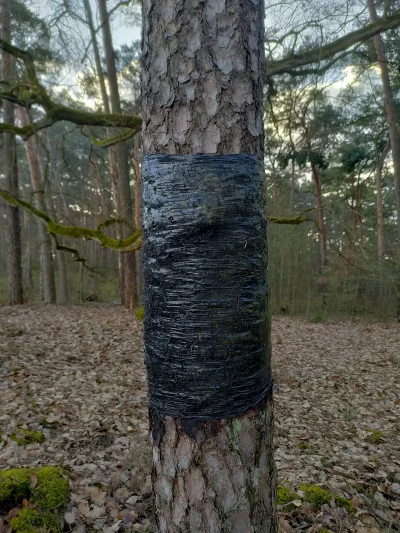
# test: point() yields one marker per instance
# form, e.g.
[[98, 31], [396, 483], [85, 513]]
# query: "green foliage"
[[140, 313], [318, 496], [27, 436]]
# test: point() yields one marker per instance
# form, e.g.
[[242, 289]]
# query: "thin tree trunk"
[[292, 186], [276, 190], [320, 217], [99, 187], [15, 289], [138, 211], [112, 151], [202, 93], [394, 133], [379, 202], [127, 261], [60, 212], [63, 295], [46, 250], [96, 53]]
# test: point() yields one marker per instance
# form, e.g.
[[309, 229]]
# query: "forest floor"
[[76, 374]]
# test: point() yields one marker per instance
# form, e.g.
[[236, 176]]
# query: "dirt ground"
[[76, 374]]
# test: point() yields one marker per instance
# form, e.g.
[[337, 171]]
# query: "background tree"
[[10, 169]]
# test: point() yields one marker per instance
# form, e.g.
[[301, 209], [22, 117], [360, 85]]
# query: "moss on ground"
[[303, 446], [31, 520], [318, 496], [140, 313], [376, 437], [46, 488], [27, 436], [285, 495]]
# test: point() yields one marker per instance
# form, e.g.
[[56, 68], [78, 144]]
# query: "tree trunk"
[[292, 186], [138, 211], [379, 202], [276, 190], [394, 133], [320, 217], [60, 212], [15, 290], [202, 93], [46, 251], [96, 53], [112, 151], [127, 260]]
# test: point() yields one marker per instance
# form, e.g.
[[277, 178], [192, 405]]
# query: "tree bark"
[[15, 288], [379, 202], [46, 250], [394, 132], [127, 260], [202, 93]]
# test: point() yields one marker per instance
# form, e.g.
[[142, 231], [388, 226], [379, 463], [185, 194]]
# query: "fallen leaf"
[[83, 508], [97, 496], [70, 517]]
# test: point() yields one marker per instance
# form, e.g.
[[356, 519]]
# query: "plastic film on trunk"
[[205, 278]]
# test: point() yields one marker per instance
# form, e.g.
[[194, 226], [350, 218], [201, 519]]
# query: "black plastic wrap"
[[205, 279]]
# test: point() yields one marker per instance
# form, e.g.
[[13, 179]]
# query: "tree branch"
[[26, 94], [320, 53], [130, 244], [294, 220]]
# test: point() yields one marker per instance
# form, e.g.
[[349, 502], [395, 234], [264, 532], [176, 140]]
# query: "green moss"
[[318, 496], [303, 446], [46, 487], [284, 495], [52, 490], [31, 520], [140, 313], [376, 436], [27, 436], [14, 486]]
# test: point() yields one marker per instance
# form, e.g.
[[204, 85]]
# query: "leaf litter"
[[76, 374]]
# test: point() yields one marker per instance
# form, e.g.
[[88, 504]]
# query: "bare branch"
[[32, 92], [320, 53]]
